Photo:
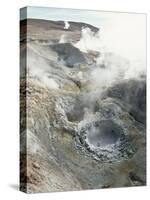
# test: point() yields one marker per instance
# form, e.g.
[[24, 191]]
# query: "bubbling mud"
[[105, 141], [104, 133]]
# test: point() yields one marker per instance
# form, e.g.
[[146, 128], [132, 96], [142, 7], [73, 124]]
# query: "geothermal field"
[[83, 110]]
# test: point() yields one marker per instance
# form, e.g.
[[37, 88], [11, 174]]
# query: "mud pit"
[[105, 141], [104, 133]]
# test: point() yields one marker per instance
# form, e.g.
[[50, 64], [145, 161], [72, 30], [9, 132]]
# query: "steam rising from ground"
[[39, 69], [63, 39], [121, 45], [67, 25], [121, 42]]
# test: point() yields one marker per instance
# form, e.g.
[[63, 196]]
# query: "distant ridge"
[[49, 24]]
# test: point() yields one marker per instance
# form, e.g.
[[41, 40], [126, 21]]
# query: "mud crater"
[[105, 141], [104, 133]]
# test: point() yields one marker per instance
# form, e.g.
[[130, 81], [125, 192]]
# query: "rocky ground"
[[75, 132]]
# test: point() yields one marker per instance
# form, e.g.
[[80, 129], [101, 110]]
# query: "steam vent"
[[82, 100]]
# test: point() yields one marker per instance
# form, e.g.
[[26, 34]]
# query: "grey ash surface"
[[79, 135]]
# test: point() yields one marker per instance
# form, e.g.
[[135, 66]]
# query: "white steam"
[[67, 25], [89, 41], [39, 69], [63, 39], [121, 42]]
